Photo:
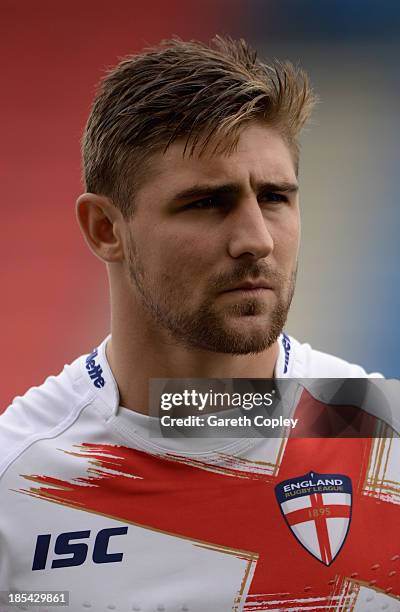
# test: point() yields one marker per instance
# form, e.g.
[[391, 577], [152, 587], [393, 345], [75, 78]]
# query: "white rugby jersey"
[[92, 505]]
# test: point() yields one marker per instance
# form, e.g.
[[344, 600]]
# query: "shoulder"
[[297, 360], [43, 412]]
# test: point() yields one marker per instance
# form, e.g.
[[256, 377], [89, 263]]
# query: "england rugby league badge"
[[317, 509]]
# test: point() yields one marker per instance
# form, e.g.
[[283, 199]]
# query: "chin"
[[255, 333], [244, 346], [234, 332], [244, 337]]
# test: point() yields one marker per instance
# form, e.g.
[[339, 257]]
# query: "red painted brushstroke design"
[[225, 506]]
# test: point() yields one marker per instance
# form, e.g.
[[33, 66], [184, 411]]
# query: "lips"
[[249, 286]]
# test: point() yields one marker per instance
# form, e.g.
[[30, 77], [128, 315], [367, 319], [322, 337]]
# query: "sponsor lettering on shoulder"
[[95, 370], [286, 347]]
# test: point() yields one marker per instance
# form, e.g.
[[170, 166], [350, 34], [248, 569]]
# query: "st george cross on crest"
[[317, 509]]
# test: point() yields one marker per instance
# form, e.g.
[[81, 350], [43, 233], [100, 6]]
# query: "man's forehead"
[[261, 156]]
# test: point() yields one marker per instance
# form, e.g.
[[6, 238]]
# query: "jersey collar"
[[100, 379], [283, 366]]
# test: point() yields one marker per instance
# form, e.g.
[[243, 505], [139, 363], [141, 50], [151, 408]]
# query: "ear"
[[101, 222]]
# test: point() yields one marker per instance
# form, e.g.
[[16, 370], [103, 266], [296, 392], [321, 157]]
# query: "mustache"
[[247, 271]]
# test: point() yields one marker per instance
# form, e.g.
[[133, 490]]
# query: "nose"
[[249, 233]]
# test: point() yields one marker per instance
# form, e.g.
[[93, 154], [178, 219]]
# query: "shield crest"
[[317, 510]]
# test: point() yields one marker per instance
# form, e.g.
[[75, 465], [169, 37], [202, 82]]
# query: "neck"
[[137, 353]]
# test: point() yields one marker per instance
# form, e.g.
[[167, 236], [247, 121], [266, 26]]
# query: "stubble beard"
[[206, 327]]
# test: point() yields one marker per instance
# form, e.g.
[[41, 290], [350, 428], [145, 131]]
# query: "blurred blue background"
[[348, 295]]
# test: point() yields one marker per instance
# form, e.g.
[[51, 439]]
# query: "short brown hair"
[[185, 90]]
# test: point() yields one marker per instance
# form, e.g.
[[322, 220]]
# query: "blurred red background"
[[55, 305]]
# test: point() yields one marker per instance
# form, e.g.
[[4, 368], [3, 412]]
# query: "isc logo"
[[66, 544]]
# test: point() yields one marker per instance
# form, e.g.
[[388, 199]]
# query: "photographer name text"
[[213, 420]]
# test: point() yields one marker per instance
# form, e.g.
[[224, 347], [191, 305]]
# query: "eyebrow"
[[202, 190]]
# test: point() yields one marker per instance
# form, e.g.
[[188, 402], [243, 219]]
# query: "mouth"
[[250, 287]]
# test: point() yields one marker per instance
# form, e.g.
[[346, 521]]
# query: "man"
[[191, 168]]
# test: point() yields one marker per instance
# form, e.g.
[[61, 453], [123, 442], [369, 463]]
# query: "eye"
[[204, 204], [272, 196]]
